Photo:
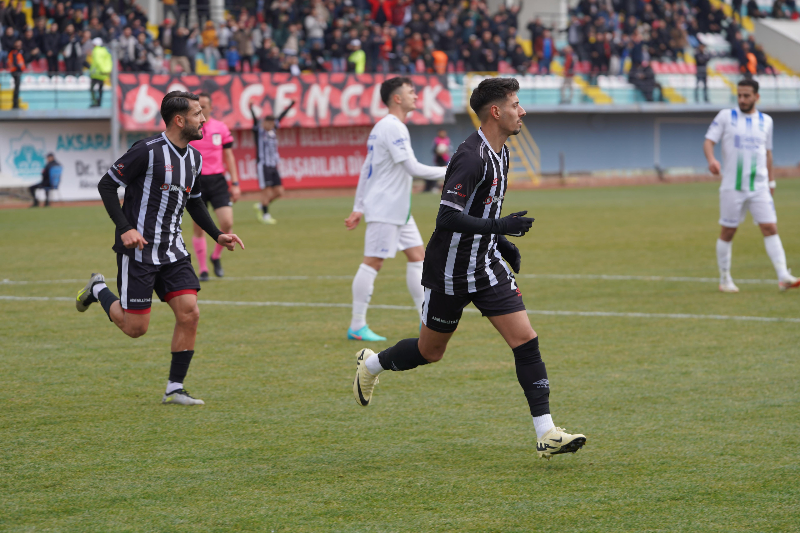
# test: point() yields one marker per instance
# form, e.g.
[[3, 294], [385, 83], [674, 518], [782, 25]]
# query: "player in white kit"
[[383, 198], [745, 137]]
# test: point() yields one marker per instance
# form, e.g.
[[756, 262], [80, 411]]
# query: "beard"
[[192, 133], [746, 109]]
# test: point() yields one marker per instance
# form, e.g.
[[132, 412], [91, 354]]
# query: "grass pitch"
[[692, 421]]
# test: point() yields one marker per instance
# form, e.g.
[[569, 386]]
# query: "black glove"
[[515, 224], [510, 253]]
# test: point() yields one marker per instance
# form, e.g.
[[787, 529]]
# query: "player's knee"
[[189, 317], [135, 331]]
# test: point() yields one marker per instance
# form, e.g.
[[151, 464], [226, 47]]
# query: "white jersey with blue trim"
[[744, 139], [384, 187]]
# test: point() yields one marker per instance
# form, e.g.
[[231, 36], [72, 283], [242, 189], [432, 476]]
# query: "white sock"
[[414, 282], [373, 365], [97, 288], [542, 424], [172, 386], [724, 253], [777, 255], [362, 293]]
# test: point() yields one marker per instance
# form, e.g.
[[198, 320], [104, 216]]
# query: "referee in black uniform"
[[464, 263], [160, 176]]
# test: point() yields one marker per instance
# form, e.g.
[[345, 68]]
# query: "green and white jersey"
[[744, 140]]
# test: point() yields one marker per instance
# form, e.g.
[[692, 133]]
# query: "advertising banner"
[[83, 150], [322, 100], [310, 158]]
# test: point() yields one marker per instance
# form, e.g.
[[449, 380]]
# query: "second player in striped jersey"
[[464, 264]]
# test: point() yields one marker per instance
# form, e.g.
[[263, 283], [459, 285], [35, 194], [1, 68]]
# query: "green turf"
[[692, 424]]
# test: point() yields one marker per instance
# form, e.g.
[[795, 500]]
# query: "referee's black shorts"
[[136, 282], [441, 312], [214, 190], [268, 177]]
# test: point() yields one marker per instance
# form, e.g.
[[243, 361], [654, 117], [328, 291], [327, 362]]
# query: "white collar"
[[491, 150], [164, 134]]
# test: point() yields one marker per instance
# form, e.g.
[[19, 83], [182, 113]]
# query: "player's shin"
[[414, 282], [532, 376], [178, 369], [105, 297], [363, 285], [776, 254], [724, 253], [404, 355]]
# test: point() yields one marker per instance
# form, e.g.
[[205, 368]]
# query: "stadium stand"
[[616, 57]]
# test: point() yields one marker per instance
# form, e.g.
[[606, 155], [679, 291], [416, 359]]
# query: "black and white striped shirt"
[[267, 146], [158, 182], [475, 184]]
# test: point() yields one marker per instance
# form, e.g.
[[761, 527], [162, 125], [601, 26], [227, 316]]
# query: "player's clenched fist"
[[133, 239], [714, 167]]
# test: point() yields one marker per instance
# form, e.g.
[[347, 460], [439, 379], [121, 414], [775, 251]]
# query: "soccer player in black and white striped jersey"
[[464, 264], [160, 176]]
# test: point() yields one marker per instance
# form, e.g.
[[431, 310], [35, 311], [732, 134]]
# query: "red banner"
[[322, 100], [310, 158]]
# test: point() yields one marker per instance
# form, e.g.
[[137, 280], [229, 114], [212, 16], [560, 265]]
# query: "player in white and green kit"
[[745, 137]]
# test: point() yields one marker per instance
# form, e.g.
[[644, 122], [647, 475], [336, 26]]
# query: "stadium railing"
[[50, 91]]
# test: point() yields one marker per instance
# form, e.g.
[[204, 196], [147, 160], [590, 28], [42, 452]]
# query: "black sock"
[[404, 355], [265, 208], [107, 298], [180, 365], [532, 376]]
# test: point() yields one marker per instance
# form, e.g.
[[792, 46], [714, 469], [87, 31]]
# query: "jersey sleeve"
[[717, 127], [462, 177], [768, 141], [132, 165], [398, 142], [227, 138]]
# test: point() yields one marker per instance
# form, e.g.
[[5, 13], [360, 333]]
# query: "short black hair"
[[490, 91], [389, 86], [176, 103], [201, 95], [749, 82]]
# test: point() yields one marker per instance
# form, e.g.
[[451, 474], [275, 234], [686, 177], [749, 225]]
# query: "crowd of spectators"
[[402, 36]]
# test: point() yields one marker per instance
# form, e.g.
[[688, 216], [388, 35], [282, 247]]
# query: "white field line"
[[593, 277], [675, 316]]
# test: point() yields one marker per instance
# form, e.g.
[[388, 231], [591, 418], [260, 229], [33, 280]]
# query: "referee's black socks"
[[404, 355], [532, 376]]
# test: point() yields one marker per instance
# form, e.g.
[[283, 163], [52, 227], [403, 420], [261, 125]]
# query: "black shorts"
[[268, 177], [136, 281], [442, 312], [214, 191]]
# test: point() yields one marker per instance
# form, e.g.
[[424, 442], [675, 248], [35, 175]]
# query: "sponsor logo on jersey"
[[493, 199], [118, 167], [457, 187], [139, 299], [444, 321], [401, 142], [462, 195], [494, 181], [168, 168], [175, 188]]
